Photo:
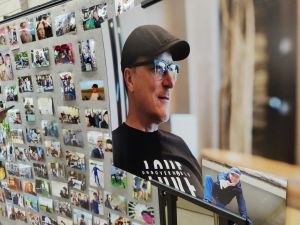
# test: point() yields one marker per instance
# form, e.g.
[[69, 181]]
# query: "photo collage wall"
[[55, 143]]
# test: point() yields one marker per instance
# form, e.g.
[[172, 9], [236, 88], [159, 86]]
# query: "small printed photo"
[[14, 116], [46, 204], [17, 136], [56, 169], [60, 189], [92, 17], [76, 180], [33, 219], [3, 210], [96, 202], [7, 191], [53, 148], [25, 171], [27, 31], [80, 199], [2, 104], [22, 60], [118, 177], [2, 172], [64, 54], [123, 6], [44, 26], [11, 156], [42, 187], [73, 138], [75, 160], [117, 219], [67, 86], [11, 213], [92, 90], [25, 84], [98, 118], [95, 143], [31, 202], [115, 202], [11, 93], [46, 220], [29, 109], [49, 128], [142, 189], [17, 198], [2, 136], [40, 57], [99, 221], [33, 136], [96, 173], [68, 114], [21, 154], [2, 196], [12, 169], [65, 23], [87, 55], [35, 153], [45, 106], [63, 208], [141, 212], [14, 183], [29, 187], [40, 170], [6, 72], [64, 221], [12, 36], [44, 83], [20, 214], [3, 37], [81, 217]]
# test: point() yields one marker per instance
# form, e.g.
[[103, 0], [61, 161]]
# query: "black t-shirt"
[[158, 155]]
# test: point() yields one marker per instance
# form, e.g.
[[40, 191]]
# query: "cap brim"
[[180, 50]]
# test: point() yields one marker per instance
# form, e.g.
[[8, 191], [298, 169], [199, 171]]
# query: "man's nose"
[[169, 79]]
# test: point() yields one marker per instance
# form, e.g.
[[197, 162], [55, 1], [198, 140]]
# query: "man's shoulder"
[[171, 137]]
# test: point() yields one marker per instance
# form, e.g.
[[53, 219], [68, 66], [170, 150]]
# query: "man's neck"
[[139, 125]]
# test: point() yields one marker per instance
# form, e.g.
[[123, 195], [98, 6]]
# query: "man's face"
[[99, 142], [234, 178], [151, 96]]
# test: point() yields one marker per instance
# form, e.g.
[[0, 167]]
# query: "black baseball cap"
[[147, 42]]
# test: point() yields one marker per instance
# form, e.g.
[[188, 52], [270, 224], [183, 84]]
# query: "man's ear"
[[128, 78]]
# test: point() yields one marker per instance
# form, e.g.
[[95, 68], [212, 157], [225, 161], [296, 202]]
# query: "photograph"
[[46, 220], [14, 116], [96, 173], [27, 31], [31, 202], [44, 83], [3, 152], [73, 138], [80, 199], [64, 221], [14, 183], [3, 210], [44, 26], [11, 93], [45, 105], [2, 171], [33, 136], [141, 212], [25, 171], [75, 160], [11, 156], [96, 202], [22, 60], [42, 187], [29, 187], [20, 214], [115, 202], [29, 109], [17, 136], [17, 198], [92, 90], [53, 148], [12, 36], [82, 217], [33, 219], [117, 219], [49, 128], [65, 23], [7, 191], [68, 114], [3, 36], [2, 196], [3, 135], [99, 221], [92, 17], [12, 169], [57, 170], [59, 189], [67, 86], [87, 55], [63, 54], [11, 212], [76, 180], [98, 118], [123, 6], [63, 208], [95, 143], [40, 57], [118, 177], [142, 189], [35, 153], [40, 170], [46, 205], [25, 84], [21, 154], [6, 71]]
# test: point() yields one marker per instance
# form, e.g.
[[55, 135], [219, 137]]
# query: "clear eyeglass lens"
[[162, 67]]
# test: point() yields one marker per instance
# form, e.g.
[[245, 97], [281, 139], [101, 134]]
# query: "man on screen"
[[140, 147]]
